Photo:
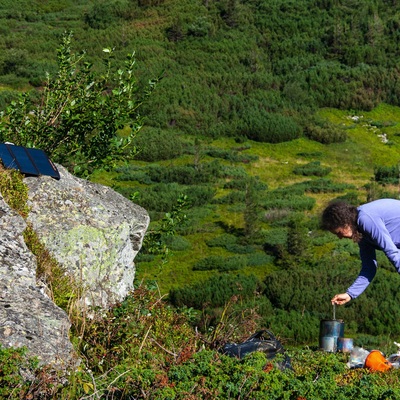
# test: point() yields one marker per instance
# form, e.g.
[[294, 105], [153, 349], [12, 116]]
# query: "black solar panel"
[[32, 162]]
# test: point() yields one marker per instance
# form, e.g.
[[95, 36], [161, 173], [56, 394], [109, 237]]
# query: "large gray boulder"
[[27, 316], [92, 231]]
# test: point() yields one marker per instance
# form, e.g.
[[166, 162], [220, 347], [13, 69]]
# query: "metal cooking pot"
[[329, 332]]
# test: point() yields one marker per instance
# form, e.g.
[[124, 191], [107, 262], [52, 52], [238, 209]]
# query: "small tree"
[[80, 115]]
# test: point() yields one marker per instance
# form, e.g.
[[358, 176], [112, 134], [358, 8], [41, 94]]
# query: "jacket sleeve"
[[368, 270]]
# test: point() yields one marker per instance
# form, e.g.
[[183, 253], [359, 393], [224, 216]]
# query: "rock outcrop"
[[27, 315], [92, 231]]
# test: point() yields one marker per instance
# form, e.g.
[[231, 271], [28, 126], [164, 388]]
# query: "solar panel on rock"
[[28, 161]]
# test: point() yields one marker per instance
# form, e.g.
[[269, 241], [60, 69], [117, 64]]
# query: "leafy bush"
[[21, 376], [216, 291], [387, 175], [376, 191], [269, 128], [156, 144], [258, 259], [182, 174], [325, 132], [162, 197], [312, 168], [264, 381], [294, 203], [325, 186], [133, 173], [242, 184], [185, 174], [6, 97], [223, 240], [230, 172], [351, 198], [296, 326], [177, 243], [77, 121], [275, 241], [105, 13]]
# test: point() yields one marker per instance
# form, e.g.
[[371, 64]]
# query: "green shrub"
[[118, 339], [240, 249], [387, 175], [156, 144], [284, 191], [177, 243], [275, 241], [235, 172], [300, 327], [6, 97], [257, 259], [323, 185], [194, 222], [105, 13], [162, 196], [133, 173], [351, 198], [269, 128], [14, 191], [293, 203], [76, 121], [313, 168], [16, 367], [216, 291], [223, 240], [242, 184], [325, 133], [376, 191], [181, 174], [199, 195]]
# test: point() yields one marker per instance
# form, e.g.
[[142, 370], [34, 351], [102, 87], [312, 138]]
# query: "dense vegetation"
[[266, 111]]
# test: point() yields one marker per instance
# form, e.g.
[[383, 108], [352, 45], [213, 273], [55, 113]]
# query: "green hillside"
[[352, 163], [266, 110]]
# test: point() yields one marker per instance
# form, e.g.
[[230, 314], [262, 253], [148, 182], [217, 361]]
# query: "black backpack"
[[264, 341]]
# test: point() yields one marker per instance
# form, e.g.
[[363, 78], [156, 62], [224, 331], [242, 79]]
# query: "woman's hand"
[[341, 299]]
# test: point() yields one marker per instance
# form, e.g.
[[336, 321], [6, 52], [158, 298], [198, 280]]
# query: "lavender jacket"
[[379, 223]]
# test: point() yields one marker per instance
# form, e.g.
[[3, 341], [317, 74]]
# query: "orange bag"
[[375, 361]]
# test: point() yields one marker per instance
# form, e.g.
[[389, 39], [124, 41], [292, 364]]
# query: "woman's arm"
[[368, 269]]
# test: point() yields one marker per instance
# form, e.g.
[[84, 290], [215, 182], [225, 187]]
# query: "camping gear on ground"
[[357, 357], [331, 335], [394, 359], [329, 332], [373, 360], [344, 345], [31, 162], [264, 341], [376, 361]]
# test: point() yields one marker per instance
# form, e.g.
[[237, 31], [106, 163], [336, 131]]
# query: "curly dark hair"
[[339, 214]]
